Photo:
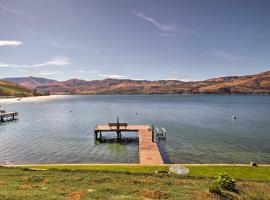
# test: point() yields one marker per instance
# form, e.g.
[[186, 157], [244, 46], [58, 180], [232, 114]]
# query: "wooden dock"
[[8, 116], [148, 150]]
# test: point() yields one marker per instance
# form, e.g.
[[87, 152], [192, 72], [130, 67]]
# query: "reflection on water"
[[200, 129]]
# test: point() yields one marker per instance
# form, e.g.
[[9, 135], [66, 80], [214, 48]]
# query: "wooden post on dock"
[[119, 136], [100, 135], [96, 133], [153, 133], [118, 129]]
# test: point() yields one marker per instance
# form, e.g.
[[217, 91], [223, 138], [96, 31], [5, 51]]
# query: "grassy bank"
[[127, 182], [210, 171]]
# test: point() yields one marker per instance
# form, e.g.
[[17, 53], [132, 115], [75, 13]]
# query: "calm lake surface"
[[59, 129]]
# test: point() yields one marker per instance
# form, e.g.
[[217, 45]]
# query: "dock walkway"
[[148, 150]]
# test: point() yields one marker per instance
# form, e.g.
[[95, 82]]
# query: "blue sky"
[[136, 39]]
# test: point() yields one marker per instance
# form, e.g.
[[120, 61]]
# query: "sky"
[[135, 39]]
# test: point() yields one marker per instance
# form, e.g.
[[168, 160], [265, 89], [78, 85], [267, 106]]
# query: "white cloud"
[[64, 46], [112, 76], [6, 65], [58, 61], [58, 45], [163, 27], [89, 72], [168, 30], [176, 78], [227, 56], [262, 36], [10, 43], [93, 72], [10, 10], [30, 31], [45, 73], [170, 35], [22, 70]]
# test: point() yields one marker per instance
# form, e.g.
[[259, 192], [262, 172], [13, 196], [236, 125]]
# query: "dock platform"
[[148, 150], [8, 116]]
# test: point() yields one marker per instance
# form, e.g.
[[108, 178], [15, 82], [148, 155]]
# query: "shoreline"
[[136, 164], [158, 94]]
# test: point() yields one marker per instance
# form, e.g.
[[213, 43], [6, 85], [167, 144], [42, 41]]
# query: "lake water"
[[200, 129]]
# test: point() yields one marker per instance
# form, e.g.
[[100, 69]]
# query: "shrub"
[[223, 182], [226, 182], [215, 189]]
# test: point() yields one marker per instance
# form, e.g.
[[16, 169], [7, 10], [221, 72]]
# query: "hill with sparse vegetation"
[[8, 89], [30, 82]]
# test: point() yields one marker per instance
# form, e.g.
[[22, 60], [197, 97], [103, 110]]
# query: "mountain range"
[[249, 84]]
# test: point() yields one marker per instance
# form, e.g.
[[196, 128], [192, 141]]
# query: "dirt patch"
[[27, 187], [78, 178], [152, 194], [46, 181], [76, 195]]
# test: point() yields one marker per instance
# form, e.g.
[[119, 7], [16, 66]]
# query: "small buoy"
[[234, 117], [70, 111], [136, 113]]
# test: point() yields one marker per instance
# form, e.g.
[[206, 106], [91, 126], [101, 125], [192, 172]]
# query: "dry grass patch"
[[153, 194], [254, 190], [204, 195], [101, 180], [27, 187], [78, 178], [143, 180]]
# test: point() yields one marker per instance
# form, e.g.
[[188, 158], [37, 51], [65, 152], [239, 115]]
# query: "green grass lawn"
[[127, 182], [239, 172]]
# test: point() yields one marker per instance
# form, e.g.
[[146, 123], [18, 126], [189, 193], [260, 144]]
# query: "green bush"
[[223, 182], [215, 189], [226, 182]]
